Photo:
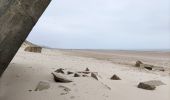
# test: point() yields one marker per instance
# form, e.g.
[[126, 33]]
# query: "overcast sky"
[[104, 24]]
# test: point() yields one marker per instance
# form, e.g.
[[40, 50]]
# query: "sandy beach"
[[27, 69]]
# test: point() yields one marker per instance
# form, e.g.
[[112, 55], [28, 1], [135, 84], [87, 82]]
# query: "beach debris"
[[30, 90], [152, 67], [146, 86], [42, 86], [61, 79], [87, 69], [115, 77], [76, 75], [60, 70], [138, 63], [85, 75], [150, 85], [148, 66], [94, 76], [84, 72], [69, 72], [33, 49]]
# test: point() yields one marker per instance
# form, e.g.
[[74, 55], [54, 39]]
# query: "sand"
[[27, 69]]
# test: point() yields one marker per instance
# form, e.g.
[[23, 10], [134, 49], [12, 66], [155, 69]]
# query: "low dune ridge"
[[28, 77]]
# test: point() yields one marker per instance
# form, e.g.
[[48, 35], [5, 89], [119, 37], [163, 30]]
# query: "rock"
[[138, 63], [115, 77], [147, 66], [60, 79], [84, 72], [17, 18], [85, 75], [76, 75], [33, 49], [146, 86], [87, 69], [94, 76], [150, 85], [42, 86], [152, 67], [162, 69], [69, 72], [60, 70]]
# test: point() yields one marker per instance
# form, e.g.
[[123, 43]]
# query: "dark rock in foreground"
[[42, 86], [115, 77], [60, 79], [150, 85], [146, 86]]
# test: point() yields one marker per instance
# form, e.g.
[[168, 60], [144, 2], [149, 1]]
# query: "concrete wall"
[[17, 18]]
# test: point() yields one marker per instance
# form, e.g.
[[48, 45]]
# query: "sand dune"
[[27, 69]]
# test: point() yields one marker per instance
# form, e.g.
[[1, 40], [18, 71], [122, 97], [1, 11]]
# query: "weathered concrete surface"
[[17, 18], [33, 49]]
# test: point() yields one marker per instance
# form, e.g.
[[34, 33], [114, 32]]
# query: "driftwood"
[[60, 79]]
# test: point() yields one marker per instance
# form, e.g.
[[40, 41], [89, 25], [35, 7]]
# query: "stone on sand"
[[138, 63], [115, 77], [42, 86], [85, 75], [94, 76], [146, 86], [69, 72], [150, 85], [87, 69], [60, 79], [76, 75], [60, 70]]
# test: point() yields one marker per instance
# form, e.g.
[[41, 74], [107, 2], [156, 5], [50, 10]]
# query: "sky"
[[104, 24]]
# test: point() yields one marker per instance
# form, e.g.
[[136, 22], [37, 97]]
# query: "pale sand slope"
[[27, 69]]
